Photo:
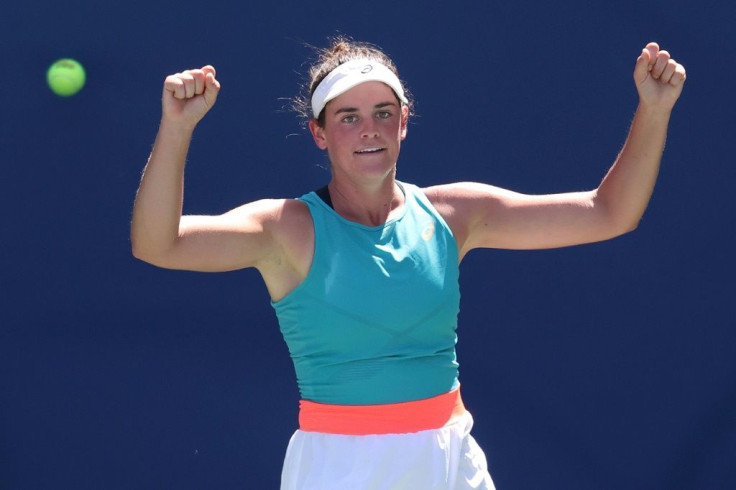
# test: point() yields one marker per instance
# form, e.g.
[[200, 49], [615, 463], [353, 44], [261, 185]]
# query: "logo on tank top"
[[428, 230]]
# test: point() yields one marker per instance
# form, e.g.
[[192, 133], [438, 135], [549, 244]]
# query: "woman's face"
[[363, 131]]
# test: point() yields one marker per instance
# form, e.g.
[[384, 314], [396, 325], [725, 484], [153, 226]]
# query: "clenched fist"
[[189, 95], [659, 78]]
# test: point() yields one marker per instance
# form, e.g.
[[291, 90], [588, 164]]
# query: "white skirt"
[[439, 459]]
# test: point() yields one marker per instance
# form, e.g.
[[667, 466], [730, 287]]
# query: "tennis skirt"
[[444, 458]]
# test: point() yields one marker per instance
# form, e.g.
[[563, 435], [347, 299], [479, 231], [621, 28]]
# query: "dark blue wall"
[[602, 366]]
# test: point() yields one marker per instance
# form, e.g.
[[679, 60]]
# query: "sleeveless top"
[[375, 319]]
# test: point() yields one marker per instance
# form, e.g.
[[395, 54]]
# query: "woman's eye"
[[383, 114], [349, 119]]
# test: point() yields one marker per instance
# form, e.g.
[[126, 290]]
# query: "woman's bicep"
[[494, 217], [234, 240]]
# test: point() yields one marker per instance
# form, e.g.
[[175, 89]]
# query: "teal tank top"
[[375, 319]]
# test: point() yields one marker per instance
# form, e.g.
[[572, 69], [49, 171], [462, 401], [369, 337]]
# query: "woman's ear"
[[318, 134], [404, 121]]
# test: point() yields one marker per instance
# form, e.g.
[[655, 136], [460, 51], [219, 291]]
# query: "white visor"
[[350, 74]]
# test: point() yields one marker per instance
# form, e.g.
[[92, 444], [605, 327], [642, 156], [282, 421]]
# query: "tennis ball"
[[66, 77]]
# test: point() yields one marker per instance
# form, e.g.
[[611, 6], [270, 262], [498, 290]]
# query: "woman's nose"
[[369, 129]]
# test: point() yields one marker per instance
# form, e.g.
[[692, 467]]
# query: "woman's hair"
[[342, 50]]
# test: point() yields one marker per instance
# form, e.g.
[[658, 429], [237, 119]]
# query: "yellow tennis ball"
[[66, 77]]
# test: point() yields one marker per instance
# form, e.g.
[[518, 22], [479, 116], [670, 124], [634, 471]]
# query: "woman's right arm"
[[160, 234]]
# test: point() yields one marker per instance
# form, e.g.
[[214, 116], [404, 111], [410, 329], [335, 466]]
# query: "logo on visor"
[[366, 69]]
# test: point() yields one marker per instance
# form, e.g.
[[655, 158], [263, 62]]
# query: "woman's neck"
[[370, 205]]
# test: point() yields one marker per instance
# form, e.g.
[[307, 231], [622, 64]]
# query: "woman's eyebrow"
[[346, 109], [355, 109]]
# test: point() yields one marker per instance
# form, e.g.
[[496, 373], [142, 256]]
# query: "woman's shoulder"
[[273, 212], [440, 195], [289, 225], [288, 215]]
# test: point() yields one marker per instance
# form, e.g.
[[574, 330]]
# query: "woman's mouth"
[[368, 151]]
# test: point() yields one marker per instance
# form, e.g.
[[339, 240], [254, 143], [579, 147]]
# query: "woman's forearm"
[[158, 204], [627, 187]]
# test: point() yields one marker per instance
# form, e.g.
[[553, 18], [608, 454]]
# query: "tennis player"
[[363, 273]]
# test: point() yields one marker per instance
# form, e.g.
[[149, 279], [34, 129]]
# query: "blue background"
[[601, 366]]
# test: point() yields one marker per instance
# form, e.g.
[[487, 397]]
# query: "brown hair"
[[341, 50]]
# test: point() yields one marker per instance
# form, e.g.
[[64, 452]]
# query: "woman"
[[363, 273]]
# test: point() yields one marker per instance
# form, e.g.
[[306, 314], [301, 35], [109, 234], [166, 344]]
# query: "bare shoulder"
[[458, 200], [467, 208], [290, 220], [442, 197], [269, 211], [452, 202], [288, 223], [459, 193]]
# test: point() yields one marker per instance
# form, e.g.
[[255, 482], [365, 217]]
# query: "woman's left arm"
[[483, 216], [625, 191]]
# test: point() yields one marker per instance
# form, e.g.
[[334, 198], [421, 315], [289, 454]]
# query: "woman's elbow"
[[141, 253], [148, 254], [618, 220], [623, 226]]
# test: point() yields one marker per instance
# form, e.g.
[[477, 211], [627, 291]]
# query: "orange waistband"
[[390, 418]]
